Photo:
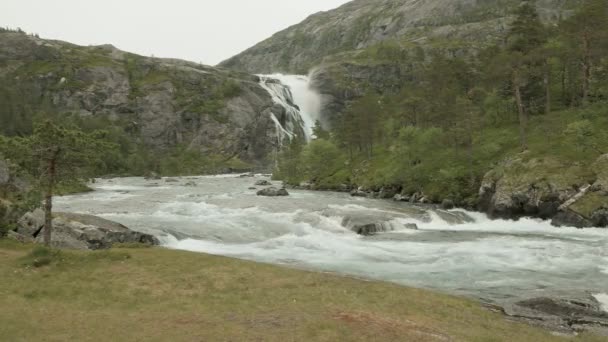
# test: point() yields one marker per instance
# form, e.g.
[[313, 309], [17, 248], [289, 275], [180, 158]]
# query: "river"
[[457, 252]]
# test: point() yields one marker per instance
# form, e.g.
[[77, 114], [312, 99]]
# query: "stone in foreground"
[[273, 192], [79, 231]]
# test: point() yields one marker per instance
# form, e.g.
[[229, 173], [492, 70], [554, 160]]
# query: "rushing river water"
[[456, 252]]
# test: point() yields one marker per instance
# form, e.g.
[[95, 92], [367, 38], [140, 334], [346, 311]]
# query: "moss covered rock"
[[535, 187]]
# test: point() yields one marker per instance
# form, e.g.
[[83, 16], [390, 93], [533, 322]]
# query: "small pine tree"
[[61, 154]]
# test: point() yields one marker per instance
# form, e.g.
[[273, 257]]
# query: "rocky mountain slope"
[[360, 24], [162, 103]]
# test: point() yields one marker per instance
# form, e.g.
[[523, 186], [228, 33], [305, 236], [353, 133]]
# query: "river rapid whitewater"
[[456, 252]]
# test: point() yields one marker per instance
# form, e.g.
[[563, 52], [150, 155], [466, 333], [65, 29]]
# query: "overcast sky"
[[206, 31]]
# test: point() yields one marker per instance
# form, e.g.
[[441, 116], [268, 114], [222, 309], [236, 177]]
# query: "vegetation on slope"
[[158, 294], [84, 87], [438, 131]]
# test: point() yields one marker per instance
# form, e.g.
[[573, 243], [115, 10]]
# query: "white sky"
[[206, 31]]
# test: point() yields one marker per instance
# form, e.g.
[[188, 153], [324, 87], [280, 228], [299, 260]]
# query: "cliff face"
[[363, 23], [162, 103]]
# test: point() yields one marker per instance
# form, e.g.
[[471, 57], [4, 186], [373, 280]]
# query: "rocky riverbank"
[[78, 231], [568, 195]]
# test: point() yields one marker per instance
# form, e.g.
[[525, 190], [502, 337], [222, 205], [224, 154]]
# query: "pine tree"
[[588, 32], [62, 154], [525, 38]]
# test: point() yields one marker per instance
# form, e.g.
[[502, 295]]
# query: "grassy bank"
[[163, 295]]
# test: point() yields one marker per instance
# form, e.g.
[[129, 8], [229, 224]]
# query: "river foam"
[[455, 251]]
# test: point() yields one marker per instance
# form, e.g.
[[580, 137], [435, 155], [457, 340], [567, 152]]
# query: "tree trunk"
[[470, 149], [523, 118], [547, 82], [48, 202], [564, 97], [586, 68]]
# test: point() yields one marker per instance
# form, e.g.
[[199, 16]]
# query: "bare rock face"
[[358, 24], [160, 102], [78, 231]]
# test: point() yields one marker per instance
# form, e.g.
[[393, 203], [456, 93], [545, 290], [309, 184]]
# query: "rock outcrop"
[[78, 231], [273, 192], [363, 23], [589, 207], [571, 195], [12, 190], [562, 314], [163, 103]]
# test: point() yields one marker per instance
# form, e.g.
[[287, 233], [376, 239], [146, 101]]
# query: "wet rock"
[[263, 183], [344, 188], [253, 188], [454, 217], [358, 193], [78, 231], [152, 176], [247, 175], [424, 200], [401, 198], [273, 192], [561, 314], [569, 218], [191, 184], [171, 180], [368, 225], [411, 226], [447, 204], [416, 197], [387, 192]]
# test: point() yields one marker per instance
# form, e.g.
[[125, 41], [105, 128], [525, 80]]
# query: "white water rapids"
[[493, 260], [301, 102]]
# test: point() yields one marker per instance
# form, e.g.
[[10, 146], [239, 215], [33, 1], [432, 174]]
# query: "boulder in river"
[[273, 192], [447, 204], [359, 192], [152, 176], [79, 231], [367, 225], [401, 198], [263, 183]]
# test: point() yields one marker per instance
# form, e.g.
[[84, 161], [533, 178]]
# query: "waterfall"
[[302, 104]]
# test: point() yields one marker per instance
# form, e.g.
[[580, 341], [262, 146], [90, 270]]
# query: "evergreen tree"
[[56, 154], [525, 38], [587, 31]]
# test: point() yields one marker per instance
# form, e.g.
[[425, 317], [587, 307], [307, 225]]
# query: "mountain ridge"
[[363, 23]]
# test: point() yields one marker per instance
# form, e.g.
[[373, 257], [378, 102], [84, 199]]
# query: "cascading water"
[[301, 102]]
